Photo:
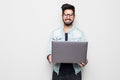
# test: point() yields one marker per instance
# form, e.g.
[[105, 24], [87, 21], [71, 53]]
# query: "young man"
[[66, 71]]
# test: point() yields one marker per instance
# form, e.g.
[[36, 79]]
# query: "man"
[[66, 71]]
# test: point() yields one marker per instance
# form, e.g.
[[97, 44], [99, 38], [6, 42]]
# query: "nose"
[[68, 16]]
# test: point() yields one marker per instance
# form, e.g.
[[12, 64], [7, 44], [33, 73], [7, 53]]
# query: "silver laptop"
[[69, 52]]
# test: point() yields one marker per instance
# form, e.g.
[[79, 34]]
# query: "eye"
[[66, 15]]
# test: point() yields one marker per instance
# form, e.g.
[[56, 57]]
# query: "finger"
[[81, 65], [51, 62]]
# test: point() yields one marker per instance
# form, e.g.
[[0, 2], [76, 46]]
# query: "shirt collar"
[[71, 29]]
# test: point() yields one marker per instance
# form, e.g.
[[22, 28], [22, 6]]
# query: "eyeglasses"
[[66, 15]]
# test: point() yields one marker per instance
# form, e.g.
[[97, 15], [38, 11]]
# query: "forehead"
[[68, 11]]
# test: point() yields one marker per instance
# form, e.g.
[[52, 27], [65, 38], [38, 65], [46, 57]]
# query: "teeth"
[[68, 20]]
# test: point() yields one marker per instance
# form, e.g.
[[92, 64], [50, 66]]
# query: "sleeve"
[[83, 37], [50, 43]]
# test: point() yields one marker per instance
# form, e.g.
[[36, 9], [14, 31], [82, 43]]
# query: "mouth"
[[68, 20]]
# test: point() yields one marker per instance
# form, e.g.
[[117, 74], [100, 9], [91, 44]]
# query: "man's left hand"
[[83, 64]]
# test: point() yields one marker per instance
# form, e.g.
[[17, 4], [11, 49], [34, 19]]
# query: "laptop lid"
[[69, 52]]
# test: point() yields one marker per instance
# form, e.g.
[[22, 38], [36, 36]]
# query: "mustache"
[[68, 19]]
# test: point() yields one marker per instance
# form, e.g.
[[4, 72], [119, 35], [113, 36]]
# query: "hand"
[[49, 57], [83, 64]]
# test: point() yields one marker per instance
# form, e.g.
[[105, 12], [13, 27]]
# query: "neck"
[[66, 28]]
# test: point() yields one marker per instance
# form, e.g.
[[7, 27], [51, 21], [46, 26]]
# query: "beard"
[[68, 24]]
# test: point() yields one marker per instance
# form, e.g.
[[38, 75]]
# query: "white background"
[[25, 27]]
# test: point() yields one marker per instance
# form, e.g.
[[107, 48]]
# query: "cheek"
[[63, 19], [72, 19]]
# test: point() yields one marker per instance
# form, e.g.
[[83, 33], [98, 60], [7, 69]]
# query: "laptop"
[[69, 52]]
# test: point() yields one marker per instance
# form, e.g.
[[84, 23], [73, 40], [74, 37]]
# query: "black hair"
[[68, 6]]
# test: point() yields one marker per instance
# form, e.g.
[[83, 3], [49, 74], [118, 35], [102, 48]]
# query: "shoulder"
[[78, 31], [56, 32]]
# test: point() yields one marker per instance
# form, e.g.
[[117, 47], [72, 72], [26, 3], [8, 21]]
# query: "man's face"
[[68, 17]]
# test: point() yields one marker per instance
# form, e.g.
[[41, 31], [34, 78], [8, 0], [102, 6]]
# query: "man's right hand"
[[49, 57]]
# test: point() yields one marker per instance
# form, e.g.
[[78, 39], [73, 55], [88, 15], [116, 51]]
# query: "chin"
[[68, 24]]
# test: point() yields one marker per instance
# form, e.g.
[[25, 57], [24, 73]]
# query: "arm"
[[83, 39], [49, 56]]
